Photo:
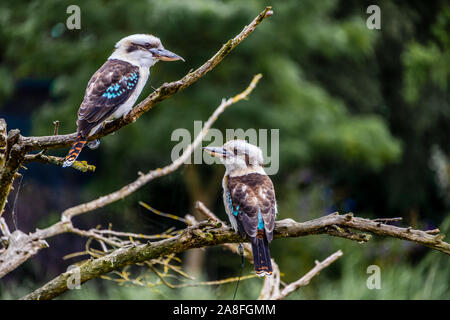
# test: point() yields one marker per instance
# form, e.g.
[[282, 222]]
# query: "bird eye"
[[150, 45], [235, 151]]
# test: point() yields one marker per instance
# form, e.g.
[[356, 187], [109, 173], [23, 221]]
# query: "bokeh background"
[[364, 120]]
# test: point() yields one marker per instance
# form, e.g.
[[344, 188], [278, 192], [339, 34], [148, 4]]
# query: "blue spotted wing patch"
[[125, 84], [234, 209], [108, 89], [230, 203]]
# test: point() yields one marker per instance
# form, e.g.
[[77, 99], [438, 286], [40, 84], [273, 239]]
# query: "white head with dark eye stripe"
[[143, 50], [239, 157]]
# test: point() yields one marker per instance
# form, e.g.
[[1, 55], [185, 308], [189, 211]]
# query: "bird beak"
[[165, 55], [218, 152]]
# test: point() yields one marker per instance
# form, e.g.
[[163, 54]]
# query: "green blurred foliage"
[[358, 112]]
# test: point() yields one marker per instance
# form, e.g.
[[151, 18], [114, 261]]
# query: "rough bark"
[[207, 234]]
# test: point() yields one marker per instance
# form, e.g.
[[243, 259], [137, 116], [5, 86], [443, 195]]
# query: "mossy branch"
[[211, 233]]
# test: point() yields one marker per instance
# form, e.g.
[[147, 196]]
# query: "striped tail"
[[74, 151], [261, 255]]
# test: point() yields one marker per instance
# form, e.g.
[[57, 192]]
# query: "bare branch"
[[21, 247], [93, 234], [385, 220], [271, 288], [304, 281], [4, 228], [205, 234], [290, 228], [160, 94], [162, 214], [55, 131]]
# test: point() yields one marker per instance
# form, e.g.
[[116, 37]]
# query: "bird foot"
[[93, 144]]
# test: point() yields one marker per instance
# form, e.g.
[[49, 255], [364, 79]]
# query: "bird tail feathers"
[[74, 151], [261, 255]]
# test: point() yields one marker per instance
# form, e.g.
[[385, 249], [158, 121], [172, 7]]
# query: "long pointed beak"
[[165, 55], [218, 152]]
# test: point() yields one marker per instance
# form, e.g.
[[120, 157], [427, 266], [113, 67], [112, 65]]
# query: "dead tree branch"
[[209, 234], [25, 247], [271, 288]]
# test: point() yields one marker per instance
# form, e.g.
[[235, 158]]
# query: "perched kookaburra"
[[249, 198], [115, 87]]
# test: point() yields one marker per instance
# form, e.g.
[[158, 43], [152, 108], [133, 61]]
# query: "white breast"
[[228, 207]]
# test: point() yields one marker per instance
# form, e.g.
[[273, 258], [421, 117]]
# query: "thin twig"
[[162, 214], [385, 220], [4, 228], [304, 281], [92, 234], [132, 235]]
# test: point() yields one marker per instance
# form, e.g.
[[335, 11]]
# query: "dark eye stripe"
[[132, 48], [135, 46]]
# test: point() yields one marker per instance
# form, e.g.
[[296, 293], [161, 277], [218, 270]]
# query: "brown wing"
[[107, 90], [250, 195]]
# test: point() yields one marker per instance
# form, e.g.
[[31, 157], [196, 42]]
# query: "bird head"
[[238, 155], [143, 49]]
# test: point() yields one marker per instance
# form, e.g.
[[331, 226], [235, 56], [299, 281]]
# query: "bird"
[[249, 198], [114, 88]]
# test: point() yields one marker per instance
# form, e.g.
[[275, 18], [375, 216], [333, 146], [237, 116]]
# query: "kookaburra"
[[115, 87], [249, 198]]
